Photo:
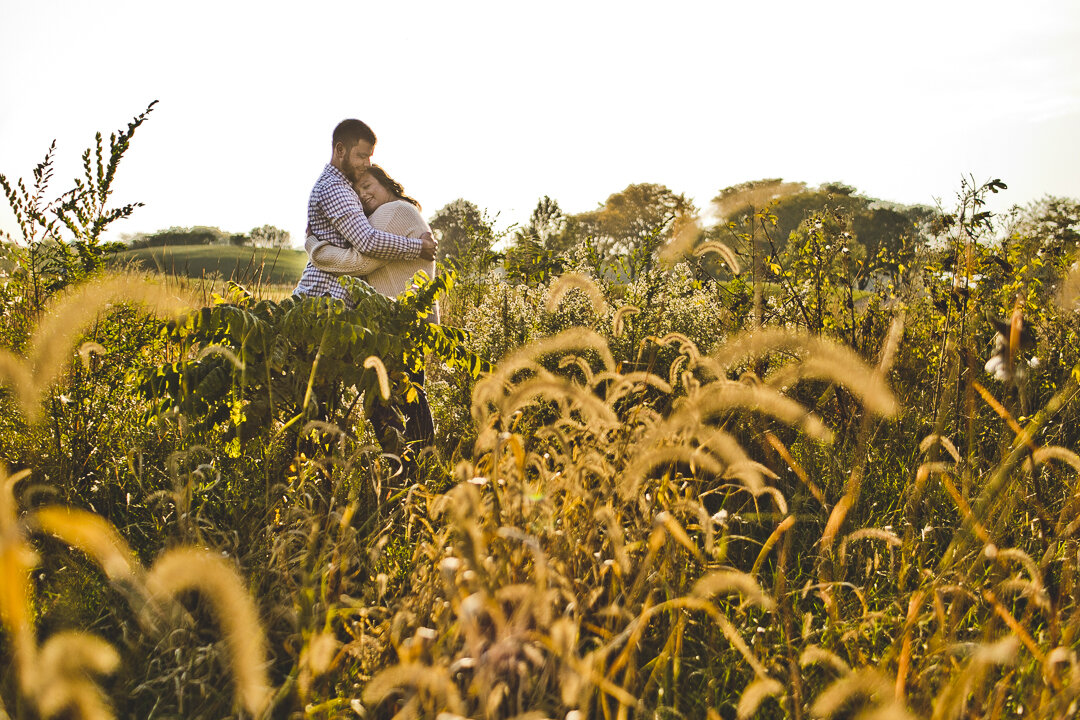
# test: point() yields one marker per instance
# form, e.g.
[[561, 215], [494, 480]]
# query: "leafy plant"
[[258, 367], [61, 239]]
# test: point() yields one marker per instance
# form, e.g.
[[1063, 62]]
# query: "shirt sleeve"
[[338, 260], [346, 215]]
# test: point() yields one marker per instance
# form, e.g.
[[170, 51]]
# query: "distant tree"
[[546, 225], [639, 218], [269, 236], [890, 234], [1050, 224], [464, 232], [198, 235], [537, 250], [239, 239], [1040, 243], [757, 219], [737, 200]]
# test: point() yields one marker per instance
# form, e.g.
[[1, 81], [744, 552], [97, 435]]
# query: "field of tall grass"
[[665, 495]]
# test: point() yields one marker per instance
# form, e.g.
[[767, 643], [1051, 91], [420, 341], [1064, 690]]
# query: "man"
[[336, 216]]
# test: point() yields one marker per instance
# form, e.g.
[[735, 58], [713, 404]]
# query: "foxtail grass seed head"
[[93, 535], [865, 686], [17, 560], [88, 349], [755, 693], [725, 253], [569, 281], [817, 655], [374, 363], [431, 684], [723, 582], [65, 664], [66, 316], [183, 570], [618, 320]]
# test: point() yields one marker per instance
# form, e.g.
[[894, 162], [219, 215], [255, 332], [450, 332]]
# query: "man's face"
[[356, 160]]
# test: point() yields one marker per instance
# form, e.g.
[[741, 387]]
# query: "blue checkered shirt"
[[336, 216]]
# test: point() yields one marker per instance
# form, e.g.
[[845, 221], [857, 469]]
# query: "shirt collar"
[[336, 173]]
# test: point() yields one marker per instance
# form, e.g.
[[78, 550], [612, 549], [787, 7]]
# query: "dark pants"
[[405, 428]]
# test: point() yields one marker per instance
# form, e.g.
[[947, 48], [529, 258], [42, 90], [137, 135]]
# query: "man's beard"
[[349, 170]]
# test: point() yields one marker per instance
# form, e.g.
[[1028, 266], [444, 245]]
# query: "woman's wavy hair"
[[392, 185]]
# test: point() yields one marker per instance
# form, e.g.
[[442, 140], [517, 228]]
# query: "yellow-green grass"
[[244, 264]]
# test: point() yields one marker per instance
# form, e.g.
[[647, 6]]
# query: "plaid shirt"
[[336, 216]]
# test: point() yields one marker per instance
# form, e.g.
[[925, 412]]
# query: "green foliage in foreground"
[[252, 367]]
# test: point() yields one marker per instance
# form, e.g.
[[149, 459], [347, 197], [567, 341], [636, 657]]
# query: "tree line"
[[755, 219], [264, 236]]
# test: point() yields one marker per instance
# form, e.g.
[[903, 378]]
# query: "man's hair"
[[351, 131]]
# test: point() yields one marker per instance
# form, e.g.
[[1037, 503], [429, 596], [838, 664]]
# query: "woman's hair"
[[391, 185]]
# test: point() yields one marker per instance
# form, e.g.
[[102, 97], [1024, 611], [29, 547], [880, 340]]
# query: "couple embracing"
[[361, 223]]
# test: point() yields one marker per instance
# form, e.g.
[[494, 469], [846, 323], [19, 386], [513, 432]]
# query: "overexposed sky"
[[504, 102]]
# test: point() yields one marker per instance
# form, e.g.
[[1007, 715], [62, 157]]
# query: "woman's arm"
[[339, 261]]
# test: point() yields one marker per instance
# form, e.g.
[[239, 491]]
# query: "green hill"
[[244, 264]]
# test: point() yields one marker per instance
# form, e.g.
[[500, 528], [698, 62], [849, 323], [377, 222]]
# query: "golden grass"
[[65, 664], [574, 570], [65, 318], [187, 569], [570, 280], [56, 675]]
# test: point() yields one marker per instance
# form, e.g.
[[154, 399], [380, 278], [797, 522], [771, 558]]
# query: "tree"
[[1052, 223], [641, 217], [198, 235], [758, 217], [62, 237], [738, 200], [269, 236], [536, 253], [546, 225], [464, 232]]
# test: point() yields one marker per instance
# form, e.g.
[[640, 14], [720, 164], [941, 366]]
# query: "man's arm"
[[339, 260], [346, 215]]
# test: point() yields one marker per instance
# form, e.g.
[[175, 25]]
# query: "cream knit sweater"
[[389, 277]]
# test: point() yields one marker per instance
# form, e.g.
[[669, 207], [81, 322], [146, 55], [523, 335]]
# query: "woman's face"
[[372, 193]]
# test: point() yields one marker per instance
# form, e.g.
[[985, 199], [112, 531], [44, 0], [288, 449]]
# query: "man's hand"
[[428, 247]]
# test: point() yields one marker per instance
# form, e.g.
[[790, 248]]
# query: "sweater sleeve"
[[338, 260]]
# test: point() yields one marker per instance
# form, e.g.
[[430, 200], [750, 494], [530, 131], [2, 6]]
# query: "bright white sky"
[[504, 102]]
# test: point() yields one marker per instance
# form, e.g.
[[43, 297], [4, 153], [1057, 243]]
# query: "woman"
[[388, 208]]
